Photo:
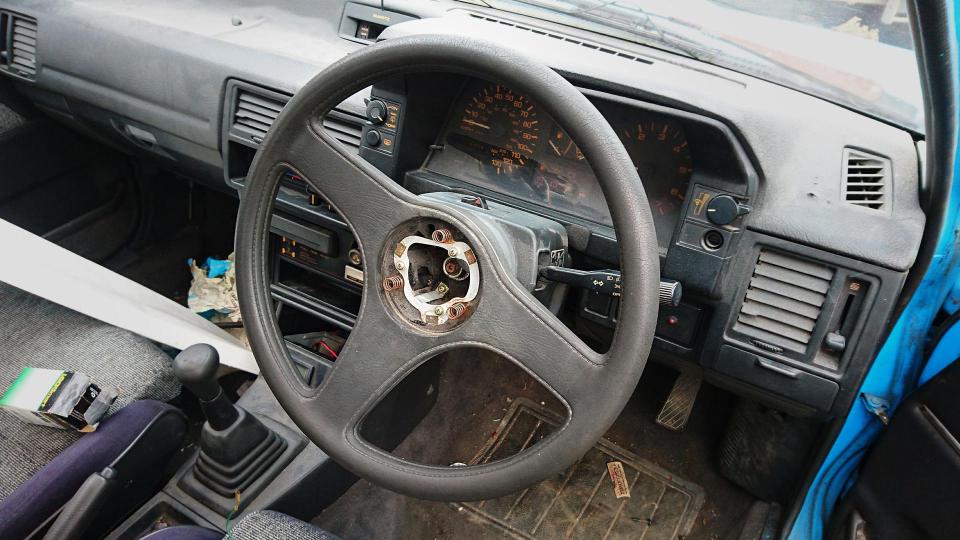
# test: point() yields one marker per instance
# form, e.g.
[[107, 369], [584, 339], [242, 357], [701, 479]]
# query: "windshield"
[[858, 53]]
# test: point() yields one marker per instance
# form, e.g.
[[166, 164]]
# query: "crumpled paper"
[[213, 290]]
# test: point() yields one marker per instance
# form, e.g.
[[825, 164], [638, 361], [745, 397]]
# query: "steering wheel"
[[388, 341]]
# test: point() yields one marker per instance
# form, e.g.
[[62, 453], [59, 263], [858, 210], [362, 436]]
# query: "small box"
[[56, 398]]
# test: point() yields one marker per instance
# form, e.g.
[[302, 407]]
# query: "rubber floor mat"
[[582, 502]]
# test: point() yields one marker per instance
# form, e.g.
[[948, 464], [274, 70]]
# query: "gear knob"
[[196, 367]]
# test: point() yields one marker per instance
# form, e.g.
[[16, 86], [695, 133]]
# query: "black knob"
[[723, 209], [196, 367], [372, 138], [834, 342], [376, 111]]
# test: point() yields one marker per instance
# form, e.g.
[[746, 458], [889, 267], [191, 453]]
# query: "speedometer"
[[504, 126]]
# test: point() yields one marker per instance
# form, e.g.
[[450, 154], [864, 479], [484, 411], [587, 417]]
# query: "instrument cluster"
[[499, 140]]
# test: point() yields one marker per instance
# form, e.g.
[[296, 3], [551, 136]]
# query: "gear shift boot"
[[239, 453], [230, 460]]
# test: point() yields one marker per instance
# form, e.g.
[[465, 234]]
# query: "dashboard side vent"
[[865, 179], [18, 44], [253, 114], [345, 126], [568, 39], [783, 301], [23, 46]]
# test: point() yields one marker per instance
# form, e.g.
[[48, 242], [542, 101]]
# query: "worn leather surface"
[[507, 319]]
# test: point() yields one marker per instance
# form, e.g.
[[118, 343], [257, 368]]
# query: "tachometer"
[[504, 122], [661, 153]]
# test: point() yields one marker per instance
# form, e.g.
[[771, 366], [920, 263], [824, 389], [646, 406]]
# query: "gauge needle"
[[555, 149], [474, 123]]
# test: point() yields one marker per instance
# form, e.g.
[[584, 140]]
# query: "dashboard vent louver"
[[783, 301], [568, 39], [255, 113], [23, 46], [18, 44], [346, 127], [865, 179]]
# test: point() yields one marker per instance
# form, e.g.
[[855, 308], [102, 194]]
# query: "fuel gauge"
[[562, 146]]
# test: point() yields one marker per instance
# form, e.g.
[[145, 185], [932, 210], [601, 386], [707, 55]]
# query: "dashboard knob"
[[376, 111], [723, 209], [372, 138], [670, 292]]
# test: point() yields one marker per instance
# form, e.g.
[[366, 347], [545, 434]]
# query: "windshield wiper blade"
[[639, 22]]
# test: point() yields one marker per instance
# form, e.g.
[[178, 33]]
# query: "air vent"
[[18, 35], [254, 114], [561, 37], [346, 127], [783, 301], [865, 179]]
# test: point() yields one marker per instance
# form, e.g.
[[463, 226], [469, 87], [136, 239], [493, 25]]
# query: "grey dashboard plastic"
[[164, 66]]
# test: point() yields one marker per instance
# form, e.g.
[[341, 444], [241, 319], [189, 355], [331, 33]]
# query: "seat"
[[260, 525], [38, 333], [123, 442]]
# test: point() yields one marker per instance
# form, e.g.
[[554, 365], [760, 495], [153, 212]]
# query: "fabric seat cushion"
[[270, 525], [55, 483], [38, 333], [259, 525]]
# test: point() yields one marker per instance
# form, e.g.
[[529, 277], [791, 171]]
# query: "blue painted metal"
[[946, 353], [895, 370], [953, 299]]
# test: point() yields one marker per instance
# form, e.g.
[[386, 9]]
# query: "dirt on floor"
[[476, 391]]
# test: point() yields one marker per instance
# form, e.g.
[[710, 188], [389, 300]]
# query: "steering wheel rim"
[[594, 387]]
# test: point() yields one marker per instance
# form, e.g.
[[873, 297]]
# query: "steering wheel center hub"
[[432, 280]]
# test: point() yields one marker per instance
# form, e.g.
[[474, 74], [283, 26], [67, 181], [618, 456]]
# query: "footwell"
[[582, 502]]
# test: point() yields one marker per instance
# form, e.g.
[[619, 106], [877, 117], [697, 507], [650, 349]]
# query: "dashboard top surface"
[[169, 73]]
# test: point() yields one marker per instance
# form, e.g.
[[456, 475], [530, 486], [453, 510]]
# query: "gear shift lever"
[[235, 447], [196, 367]]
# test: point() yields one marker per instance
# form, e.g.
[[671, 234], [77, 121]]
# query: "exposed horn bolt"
[[453, 269]]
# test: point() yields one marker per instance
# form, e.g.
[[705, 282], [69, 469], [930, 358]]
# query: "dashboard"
[[497, 139], [196, 94]]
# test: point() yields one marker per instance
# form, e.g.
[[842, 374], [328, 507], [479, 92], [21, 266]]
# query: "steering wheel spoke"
[[515, 324], [364, 196], [376, 356]]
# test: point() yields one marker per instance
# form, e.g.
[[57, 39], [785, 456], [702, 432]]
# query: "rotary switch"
[[376, 111], [723, 209]]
